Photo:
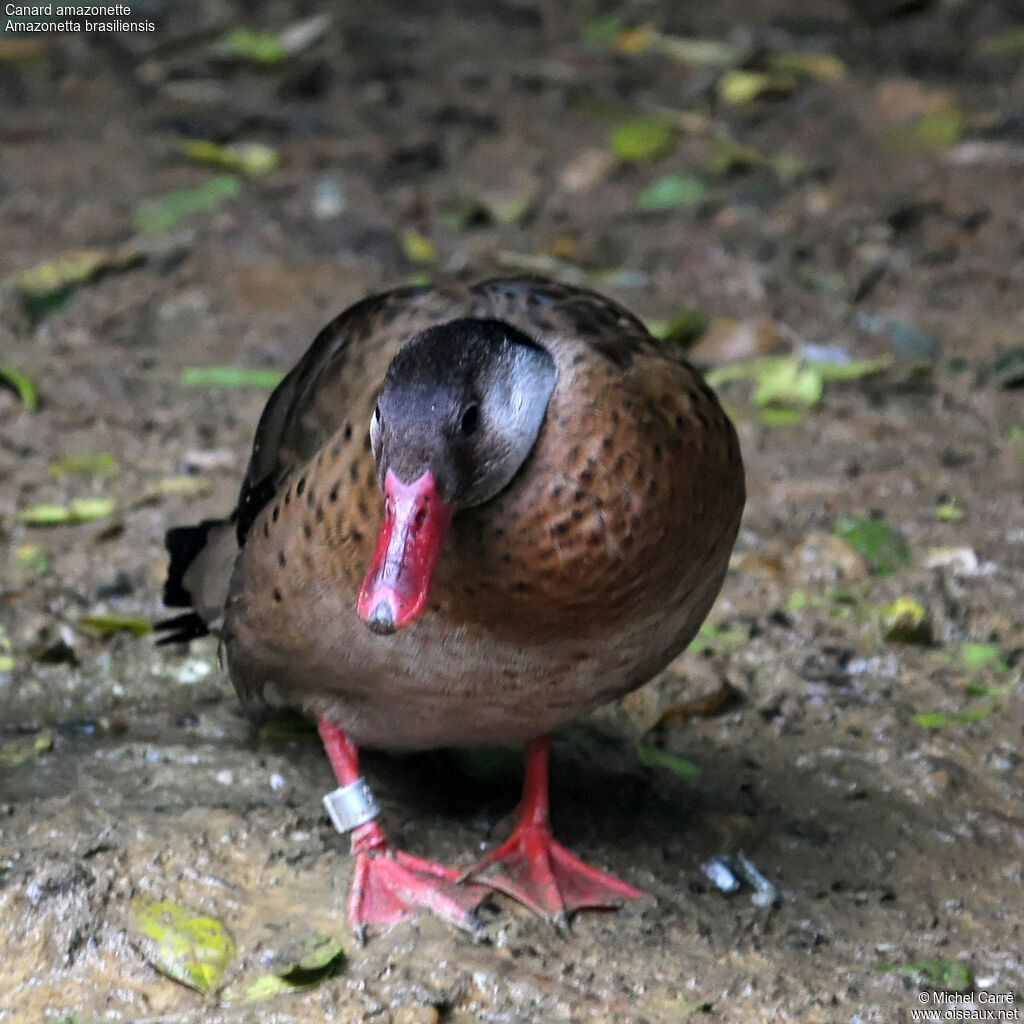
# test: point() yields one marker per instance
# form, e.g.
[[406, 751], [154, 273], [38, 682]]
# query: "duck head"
[[460, 409]]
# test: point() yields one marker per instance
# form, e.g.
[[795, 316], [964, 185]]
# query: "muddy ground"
[[894, 840]]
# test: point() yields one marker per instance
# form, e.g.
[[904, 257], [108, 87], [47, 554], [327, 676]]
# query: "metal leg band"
[[351, 806]]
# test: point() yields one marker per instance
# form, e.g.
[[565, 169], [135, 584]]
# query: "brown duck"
[[471, 514]]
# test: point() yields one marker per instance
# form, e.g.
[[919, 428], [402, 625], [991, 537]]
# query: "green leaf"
[[299, 967], [951, 974], [739, 87], [655, 757], [22, 387], [938, 129], [776, 417], [264, 987], [253, 159], [975, 656], [97, 465], [191, 950], [230, 377], [671, 191], [78, 510], [164, 212], [109, 625], [786, 381], [853, 370], [718, 637], [882, 547], [991, 692], [642, 139], [18, 751], [313, 953], [932, 720], [949, 512], [258, 47], [73, 267]]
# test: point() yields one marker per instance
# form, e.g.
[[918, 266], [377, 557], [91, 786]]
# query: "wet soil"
[[891, 843]]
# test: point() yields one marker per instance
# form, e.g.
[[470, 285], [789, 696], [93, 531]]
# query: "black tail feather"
[[183, 543], [180, 629]]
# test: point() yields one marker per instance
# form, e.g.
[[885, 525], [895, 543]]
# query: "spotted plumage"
[[573, 585]]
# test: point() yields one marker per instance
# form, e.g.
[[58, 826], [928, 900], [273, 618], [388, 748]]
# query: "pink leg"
[[388, 885], [535, 869]]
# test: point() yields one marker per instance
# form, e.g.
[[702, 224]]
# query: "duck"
[[472, 514]]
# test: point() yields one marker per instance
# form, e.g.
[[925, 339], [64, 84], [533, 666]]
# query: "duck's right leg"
[[388, 885]]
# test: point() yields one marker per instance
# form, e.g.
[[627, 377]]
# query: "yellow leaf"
[[418, 248]]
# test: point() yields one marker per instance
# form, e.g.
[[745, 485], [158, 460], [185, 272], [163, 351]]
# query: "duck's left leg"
[[532, 867], [388, 885]]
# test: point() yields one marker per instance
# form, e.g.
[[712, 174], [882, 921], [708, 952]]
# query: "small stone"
[[416, 1015]]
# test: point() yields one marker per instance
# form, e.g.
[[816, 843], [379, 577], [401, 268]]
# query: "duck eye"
[[376, 414], [470, 419]]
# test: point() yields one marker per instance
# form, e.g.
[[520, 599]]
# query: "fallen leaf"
[[975, 656], [21, 386], [882, 547], [854, 369], [739, 87], [905, 622], [258, 47], [655, 757], [188, 949], [788, 382], [671, 191], [109, 625], [937, 130], [78, 510], [312, 953], [780, 417], [164, 212], [18, 751], [642, 139], [951, 974], [418, 248], [95, 465], [230, 377], [950, 512], [254, 159], [299, 967]]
